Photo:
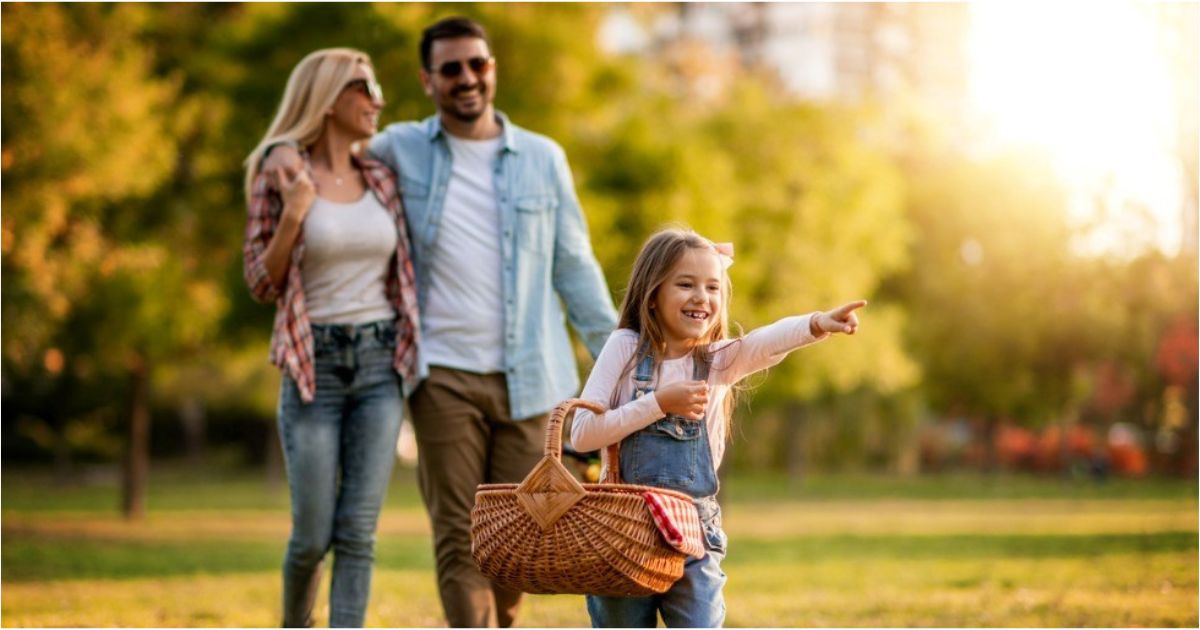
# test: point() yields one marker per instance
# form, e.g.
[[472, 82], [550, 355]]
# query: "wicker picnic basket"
[[552, 534]]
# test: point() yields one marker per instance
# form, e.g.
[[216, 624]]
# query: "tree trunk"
[[137, 453], [192, 416]]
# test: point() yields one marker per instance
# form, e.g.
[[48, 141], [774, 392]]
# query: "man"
[[498, 238]]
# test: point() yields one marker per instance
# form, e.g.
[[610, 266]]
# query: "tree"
[[99, 274]]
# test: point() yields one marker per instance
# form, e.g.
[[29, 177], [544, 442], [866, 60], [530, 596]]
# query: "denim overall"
[[673, 453]]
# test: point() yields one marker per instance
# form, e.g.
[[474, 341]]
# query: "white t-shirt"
[[733, 360], [462, 323], [348, 248]]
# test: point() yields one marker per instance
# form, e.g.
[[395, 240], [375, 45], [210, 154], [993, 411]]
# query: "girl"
[[331, 250], [665, 376]]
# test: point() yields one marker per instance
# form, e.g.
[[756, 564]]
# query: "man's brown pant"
[[465, 437]]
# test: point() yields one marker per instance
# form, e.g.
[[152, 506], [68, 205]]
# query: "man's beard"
[[468, 117]]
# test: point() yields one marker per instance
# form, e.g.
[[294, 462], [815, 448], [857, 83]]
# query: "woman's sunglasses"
[[478, 65], [370, 88]]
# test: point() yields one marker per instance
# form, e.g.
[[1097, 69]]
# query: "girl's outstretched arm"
[[766, 346]]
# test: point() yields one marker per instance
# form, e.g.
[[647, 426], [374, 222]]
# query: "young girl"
[[665, 376]]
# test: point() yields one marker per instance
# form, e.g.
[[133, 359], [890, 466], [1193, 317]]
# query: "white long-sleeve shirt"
[[733, 360]]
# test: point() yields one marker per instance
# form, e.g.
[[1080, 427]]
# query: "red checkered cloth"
[[677, 521]]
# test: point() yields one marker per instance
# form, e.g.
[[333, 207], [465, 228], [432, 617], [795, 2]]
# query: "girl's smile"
[[689, 299]]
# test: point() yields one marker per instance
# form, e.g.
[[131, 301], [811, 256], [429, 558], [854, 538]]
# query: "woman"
[[330, 249]]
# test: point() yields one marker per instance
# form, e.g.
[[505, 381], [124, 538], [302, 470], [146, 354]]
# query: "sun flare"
[[1086, 83]]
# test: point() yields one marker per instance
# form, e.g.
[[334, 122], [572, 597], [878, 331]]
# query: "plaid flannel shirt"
[[291, 340]]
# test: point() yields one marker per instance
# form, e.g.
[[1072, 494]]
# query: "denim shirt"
[[545, 251]]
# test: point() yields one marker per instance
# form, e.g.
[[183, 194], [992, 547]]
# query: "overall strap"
[[643, 377], [645, 370]]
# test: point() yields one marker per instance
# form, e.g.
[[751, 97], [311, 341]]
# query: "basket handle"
[[553, 447], [612, 464]]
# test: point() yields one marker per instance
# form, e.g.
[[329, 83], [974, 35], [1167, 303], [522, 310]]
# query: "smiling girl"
[[666, 376]]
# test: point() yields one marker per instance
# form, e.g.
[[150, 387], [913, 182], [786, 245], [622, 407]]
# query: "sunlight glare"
[[1085, 83]]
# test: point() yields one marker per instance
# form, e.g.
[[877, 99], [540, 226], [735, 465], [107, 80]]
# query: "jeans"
[[339, 451], [695, 601]]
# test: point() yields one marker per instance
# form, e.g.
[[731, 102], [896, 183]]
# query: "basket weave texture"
[[552, 534]]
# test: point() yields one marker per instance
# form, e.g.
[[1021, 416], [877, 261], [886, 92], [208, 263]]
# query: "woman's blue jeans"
[[339, 451]]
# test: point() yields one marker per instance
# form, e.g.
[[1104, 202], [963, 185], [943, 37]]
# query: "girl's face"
[[689, 300], [356, 110]]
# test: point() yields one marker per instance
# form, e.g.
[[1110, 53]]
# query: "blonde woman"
[[330, 248]]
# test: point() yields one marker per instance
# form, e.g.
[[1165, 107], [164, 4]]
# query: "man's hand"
[[840, 320], [688, 399], [284, 159]]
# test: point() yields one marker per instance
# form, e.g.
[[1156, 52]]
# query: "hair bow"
[[725, 252]]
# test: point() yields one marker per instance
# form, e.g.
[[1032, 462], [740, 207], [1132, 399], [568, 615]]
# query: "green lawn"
[[833, 551]]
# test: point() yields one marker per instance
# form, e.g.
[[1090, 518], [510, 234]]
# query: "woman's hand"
[[282, 159], [298, 194], [840, 320], [688, 399]]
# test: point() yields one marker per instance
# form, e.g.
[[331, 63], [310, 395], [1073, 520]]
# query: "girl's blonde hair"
[[654, 263], [313, 87]]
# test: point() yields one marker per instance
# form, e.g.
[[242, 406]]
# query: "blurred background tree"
[[126, 127]]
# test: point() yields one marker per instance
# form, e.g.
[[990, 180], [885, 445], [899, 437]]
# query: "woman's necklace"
[[337, 179]]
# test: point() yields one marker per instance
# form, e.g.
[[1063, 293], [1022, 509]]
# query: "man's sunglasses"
[[478, 65], [370, 88]]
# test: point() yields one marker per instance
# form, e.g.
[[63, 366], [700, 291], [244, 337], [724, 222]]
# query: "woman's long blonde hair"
[[313, 87], [654, 263]]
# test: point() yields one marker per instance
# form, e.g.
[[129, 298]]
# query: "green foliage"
[[126, 126]]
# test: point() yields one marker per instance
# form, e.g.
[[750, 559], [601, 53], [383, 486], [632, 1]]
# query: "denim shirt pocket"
[[535, 216]]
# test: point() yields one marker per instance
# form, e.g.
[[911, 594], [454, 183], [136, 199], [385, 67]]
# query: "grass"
[[834, 551]]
